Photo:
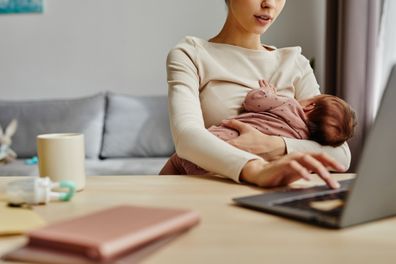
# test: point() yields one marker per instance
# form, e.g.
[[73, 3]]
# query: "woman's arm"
[[274, 147], [283, 169], [342, 154], [290, 168], [193, 141]]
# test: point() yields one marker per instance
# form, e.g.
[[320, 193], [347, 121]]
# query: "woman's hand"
[[290, 168], [253, 141]]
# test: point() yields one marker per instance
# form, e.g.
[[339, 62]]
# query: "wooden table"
[[227, 233]]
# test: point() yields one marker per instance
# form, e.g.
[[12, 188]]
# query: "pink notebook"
[[108, 234]]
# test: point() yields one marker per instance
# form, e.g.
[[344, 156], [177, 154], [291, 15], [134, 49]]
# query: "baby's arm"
[[263, 99]]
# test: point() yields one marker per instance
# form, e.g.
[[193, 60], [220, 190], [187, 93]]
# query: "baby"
[[325, 119]]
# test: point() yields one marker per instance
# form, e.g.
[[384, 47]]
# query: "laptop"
[[370, 196]]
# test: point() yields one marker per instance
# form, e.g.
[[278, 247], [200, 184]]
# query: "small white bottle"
[[38, 191]]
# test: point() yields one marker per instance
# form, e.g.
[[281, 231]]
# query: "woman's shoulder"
[[293, 50], [189, 42], [294, 54], [185, 48]]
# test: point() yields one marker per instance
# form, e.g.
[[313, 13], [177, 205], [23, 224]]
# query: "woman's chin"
[[260, 30]]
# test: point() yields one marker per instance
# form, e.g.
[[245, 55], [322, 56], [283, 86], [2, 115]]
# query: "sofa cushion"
[[18, 168], [124, 166], [136, 126], [82, 115]]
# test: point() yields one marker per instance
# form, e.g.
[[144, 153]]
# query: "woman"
[[208, 81]]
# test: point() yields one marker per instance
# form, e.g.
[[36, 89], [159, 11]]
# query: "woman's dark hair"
[[332, 121]]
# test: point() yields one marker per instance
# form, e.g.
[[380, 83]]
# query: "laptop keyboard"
[[306, 203]]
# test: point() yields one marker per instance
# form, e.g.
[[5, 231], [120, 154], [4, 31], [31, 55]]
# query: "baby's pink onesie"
[[269, 113]]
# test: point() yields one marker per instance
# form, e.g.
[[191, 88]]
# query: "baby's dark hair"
[[332, 121]]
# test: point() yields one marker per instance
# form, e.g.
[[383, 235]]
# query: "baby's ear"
[[11, 129]]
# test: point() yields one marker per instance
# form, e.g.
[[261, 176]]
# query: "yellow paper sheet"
[[16, 221]]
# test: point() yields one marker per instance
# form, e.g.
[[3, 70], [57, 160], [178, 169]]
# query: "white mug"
[[62, 157]]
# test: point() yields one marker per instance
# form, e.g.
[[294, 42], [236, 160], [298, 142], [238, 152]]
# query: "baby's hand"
[[267, 86]]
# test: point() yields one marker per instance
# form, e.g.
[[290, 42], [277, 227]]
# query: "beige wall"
[[79, 47]]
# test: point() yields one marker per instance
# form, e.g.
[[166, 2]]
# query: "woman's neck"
[[233, 34]]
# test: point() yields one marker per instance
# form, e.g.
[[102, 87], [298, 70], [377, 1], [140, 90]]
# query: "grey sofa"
[[124, 134]]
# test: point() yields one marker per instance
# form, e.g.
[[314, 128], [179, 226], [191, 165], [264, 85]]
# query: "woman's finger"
[[300, 170], [316, 166], [237, 125], [276, 174], [328, 161]]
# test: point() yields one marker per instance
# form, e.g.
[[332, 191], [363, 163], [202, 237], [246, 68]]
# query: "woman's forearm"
[[290, 168], [271, 147], [341, 154]]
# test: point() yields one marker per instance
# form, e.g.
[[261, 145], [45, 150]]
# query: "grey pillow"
[[83, 115], [136, 126]]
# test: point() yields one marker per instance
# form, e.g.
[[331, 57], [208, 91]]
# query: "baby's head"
[[331, 121]]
